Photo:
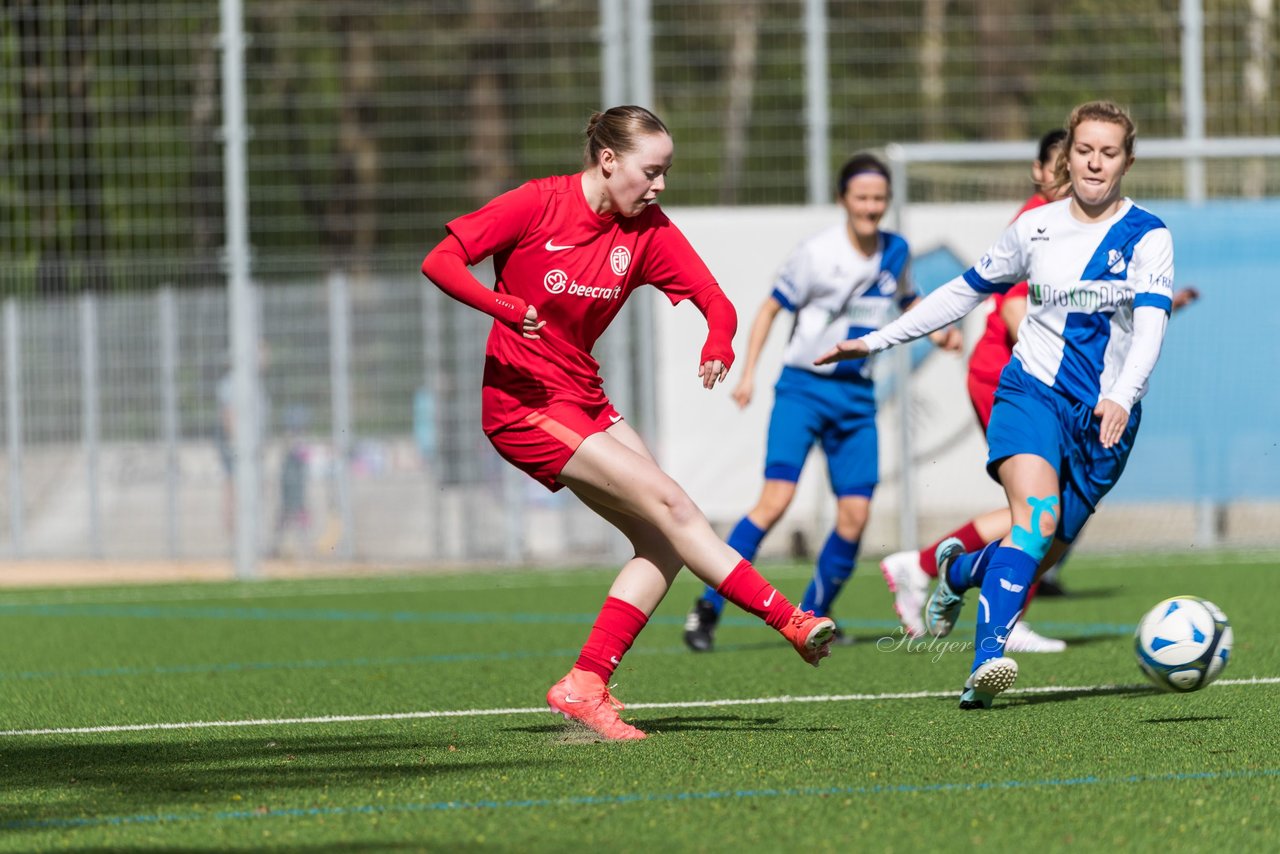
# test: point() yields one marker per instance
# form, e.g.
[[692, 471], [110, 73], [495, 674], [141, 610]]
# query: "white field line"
[[688, 704]]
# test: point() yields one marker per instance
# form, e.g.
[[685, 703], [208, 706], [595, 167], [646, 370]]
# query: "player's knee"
[[663, 556], [678, 507], [772, 504], [851, 519], [1036, 536]]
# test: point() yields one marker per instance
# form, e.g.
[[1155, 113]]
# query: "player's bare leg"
[[615, 470]]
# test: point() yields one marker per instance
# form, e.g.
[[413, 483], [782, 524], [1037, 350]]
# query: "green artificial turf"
[[1098, 759]]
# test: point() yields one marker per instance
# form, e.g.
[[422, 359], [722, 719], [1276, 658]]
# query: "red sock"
[[748, 589], [968, 535], [611, 636]]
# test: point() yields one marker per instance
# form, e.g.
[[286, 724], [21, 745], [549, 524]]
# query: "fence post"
[[907, 521], [340, 391], [817, 101], [90, 427], [246, 384], [613, 53], [1191, 16], [13, 411], [167, 313]]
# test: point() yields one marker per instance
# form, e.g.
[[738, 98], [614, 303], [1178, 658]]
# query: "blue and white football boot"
[[943, 608], [991, 678]]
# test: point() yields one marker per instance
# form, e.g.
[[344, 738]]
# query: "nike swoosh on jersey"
[[551, 247]]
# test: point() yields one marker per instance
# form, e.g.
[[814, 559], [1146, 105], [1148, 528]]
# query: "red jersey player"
[[568, 251]]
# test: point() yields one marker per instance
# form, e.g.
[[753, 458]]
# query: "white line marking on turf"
[[688, 704]]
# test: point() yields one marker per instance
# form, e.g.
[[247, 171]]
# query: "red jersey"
[[552, 250], [995, 347]]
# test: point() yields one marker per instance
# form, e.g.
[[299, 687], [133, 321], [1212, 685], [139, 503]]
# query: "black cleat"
[[1049, 587], [700, 626]]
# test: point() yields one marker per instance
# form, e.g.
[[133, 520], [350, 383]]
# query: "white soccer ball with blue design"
[[1183, 643]]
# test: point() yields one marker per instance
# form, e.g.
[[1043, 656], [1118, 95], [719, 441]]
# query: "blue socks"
[[970, 569], [835, 565], [1005, 584], [745, 540]]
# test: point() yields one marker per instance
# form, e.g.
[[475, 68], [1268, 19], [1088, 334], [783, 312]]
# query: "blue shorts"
[[839, 412], [1031, 418]]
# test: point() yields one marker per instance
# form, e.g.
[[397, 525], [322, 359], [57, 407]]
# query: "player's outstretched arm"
[[944, 306], [446, 266]]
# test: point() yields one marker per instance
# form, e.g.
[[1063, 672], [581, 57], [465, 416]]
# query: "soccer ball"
[[1183, 643]]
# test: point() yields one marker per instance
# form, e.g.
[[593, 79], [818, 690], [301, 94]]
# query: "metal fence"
[[129, 175], [116, 407]]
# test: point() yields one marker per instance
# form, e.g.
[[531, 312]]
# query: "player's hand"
[[1114, 418], [854, 348], [743, 392], [1183, 297], [712, 371], [530, 326], [949, 339]]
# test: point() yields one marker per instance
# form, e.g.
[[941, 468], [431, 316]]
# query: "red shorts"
[[540, 441], [982, 395]]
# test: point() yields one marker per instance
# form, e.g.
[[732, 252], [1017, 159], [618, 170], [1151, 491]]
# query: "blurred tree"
[[37, 136], [1004, 80], [743, 21], [89, 231], [933, 87], [489, 150], [1260, 39]]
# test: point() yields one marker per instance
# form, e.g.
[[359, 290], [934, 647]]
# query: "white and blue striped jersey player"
[[1099, 297], [835, 293]]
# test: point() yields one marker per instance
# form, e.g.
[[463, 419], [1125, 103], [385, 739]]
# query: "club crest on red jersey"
[[620, 259]]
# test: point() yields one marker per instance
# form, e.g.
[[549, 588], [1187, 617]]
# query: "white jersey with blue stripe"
[[836, 292], [1084, 281]]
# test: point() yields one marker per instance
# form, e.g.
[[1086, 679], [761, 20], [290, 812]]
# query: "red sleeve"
[[446, 265], [498, 225], [1019, 290], [671, 264], [722, 323]]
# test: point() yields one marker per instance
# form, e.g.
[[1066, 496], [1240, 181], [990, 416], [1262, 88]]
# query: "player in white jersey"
[[846, 280], [1100, 274]]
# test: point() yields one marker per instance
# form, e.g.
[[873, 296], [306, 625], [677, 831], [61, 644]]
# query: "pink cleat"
[[582, 696], [910, 588], [810, 635]]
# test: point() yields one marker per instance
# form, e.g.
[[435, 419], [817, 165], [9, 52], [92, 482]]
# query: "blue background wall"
[[1211, 420]]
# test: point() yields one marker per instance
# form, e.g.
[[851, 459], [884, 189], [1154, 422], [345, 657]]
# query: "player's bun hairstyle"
[[1051, 140], [1095, 111], [861, 164], [619, 128]]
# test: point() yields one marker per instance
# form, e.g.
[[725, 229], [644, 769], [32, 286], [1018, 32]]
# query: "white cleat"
[[1023, 638], [910, 588], [992, 678]]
